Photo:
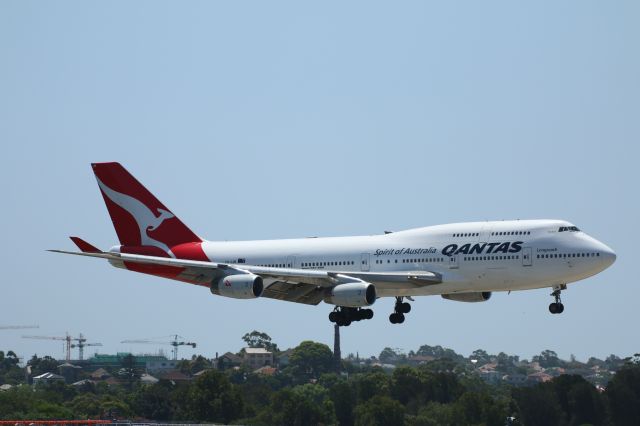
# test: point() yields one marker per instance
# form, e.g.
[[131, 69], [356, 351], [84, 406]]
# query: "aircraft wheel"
[[392, 318], [405, 308], [553, 308], [333, 316], [560, 308], [368, 314], [400, 318]]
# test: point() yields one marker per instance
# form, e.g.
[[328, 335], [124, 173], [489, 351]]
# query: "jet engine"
[[239, 286], [353, 295], [468, 297]]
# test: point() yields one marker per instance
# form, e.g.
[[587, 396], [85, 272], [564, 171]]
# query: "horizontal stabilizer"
[[84, 246]]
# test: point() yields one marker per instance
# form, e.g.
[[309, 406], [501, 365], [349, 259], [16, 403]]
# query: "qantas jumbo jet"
[[464, 262]]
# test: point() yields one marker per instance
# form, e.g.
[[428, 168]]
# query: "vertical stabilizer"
[[139, 218]]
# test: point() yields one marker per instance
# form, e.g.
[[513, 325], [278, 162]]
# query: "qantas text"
[[508, 247]]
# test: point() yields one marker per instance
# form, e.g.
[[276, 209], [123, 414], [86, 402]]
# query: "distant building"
[[228, 360], [148, 363], [69, 372], [100, 374], [490, 376], [266, 370], [83, 382], [148, 379], [255, 358], [515, 379], [539, 377], [173, 376], [47, 378], [419, 359]]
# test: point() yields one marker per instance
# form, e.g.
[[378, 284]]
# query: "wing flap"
[[298, 292]]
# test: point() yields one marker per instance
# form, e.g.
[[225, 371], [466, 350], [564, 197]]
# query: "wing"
[[290, 284]]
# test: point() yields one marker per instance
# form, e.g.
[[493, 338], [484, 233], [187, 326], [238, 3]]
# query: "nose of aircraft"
[[607, 255]]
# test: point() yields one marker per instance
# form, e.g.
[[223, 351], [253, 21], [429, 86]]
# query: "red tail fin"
[[139, 218]]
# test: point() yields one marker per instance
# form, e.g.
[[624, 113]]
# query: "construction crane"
[[17, 327], [80, 343], [175, 342]]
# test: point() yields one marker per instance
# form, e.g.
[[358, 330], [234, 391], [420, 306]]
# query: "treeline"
[[307, 391]]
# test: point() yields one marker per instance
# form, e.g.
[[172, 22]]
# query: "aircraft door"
[[364, 262], [291, 262], [527, 258], [453, 262]]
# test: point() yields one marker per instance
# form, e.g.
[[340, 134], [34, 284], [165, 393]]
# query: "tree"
[[580, 401], [297, 407], [211, 397], [438, 352], [309, 360], [480, 408], [154, 401], [344, 399], [42, 365], [623, 393], [407, 384], [257, 339], [387, 356], [547, 358], [538, 406], [375, 383], [129, 372], [379, 411], [481, 356]]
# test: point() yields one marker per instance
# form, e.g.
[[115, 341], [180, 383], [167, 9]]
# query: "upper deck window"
[[568, 229]]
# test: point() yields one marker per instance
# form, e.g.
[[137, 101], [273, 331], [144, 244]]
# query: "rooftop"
[[256, 351]]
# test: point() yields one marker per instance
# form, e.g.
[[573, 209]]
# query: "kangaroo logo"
[[144, 217]]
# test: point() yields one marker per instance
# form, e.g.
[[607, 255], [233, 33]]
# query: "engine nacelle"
[[352, 295], [239, 286], [469, 297]]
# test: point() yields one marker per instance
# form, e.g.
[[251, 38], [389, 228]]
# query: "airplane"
[[463, 262]]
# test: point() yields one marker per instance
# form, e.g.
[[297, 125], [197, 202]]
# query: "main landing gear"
[[557, 307], [401, 308], [344, 316]]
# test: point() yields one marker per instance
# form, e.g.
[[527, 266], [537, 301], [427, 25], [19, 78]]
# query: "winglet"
[[84, 246]]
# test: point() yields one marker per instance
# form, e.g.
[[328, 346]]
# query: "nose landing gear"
[[344, 316], [401, 308], [557, 307]]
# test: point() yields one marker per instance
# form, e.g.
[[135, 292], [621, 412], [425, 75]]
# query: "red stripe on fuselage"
[[190, 251], [187, 251]]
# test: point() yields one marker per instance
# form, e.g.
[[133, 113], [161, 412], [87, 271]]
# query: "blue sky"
[[258, 120]]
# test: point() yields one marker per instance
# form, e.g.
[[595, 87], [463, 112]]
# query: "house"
[[539, 377], [148, 379], [83, 382], [228, 360], [255, 358], [100, 374], [47, 378], [266, 370], [200, 373], [420, 359], [515, 379], [174, 376], [555, 371], [69, 371], [490, 376]]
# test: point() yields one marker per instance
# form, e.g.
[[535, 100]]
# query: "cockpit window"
[[568, 229]]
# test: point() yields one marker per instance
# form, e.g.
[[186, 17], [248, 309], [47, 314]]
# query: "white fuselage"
[[470, 257]]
